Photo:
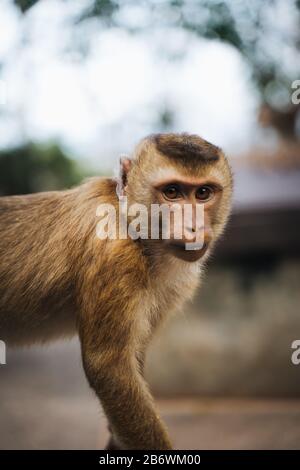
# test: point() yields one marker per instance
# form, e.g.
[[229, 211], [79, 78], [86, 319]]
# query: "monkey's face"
[[187, 232], [192, 179]]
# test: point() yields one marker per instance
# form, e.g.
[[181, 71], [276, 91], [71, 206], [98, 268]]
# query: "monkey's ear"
[[125, 165]]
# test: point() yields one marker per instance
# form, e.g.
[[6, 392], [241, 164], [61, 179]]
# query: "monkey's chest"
[[167, 295]]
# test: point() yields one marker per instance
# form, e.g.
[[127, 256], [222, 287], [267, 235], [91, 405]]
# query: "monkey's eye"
[[172, 192], [204, 193]]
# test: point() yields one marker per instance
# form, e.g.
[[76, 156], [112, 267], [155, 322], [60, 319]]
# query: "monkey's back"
[[34, 272]]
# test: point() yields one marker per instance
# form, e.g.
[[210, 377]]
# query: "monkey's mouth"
[[180, 250], [184, 246]]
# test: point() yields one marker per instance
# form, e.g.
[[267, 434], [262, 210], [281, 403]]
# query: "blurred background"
[[80, 83]]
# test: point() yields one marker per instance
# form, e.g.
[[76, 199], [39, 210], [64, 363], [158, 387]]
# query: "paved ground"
[[46, 404]]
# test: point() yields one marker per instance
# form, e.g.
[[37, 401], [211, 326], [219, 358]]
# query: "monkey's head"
[[182, 170]]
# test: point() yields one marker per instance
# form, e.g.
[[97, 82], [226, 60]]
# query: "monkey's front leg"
[[112, 443], [113, 371], [127, 402]]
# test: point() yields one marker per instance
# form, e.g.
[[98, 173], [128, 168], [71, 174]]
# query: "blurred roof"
[[266, 188], [266, 215]]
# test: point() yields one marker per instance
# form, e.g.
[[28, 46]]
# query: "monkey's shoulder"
[[96, 187]]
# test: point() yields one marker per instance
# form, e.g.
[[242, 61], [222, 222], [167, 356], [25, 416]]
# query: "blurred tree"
[[24, 5], [33, 168], [254, 28]]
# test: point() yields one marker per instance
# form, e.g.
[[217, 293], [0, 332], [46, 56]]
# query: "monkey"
[[58, 279]]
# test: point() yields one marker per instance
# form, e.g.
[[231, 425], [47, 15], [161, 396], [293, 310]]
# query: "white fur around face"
[[170, 287]]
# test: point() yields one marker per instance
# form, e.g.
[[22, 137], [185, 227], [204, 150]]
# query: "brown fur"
[[57, 277], [186, 148]]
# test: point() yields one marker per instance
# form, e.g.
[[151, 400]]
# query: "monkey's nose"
[[194, 229]]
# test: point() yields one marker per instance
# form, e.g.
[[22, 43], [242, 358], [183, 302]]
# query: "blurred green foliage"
[[33, 168]]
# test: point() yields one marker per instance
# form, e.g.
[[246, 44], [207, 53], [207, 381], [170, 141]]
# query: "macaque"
[[58, 278]]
